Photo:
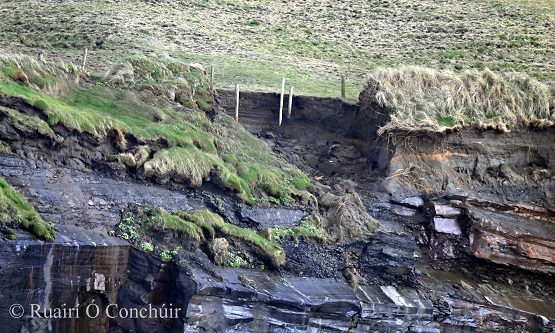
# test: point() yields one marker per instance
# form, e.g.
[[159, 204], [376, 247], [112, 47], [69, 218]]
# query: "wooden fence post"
[[237, 102], [281, 101], [342, 85], [290, 102], [85, 59]]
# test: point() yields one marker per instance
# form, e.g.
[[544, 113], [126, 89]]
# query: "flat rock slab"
[[265, 218], [70, 197], [447, 225], [256, 301]]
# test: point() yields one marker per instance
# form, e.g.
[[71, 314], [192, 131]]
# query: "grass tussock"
[[50, 77], [5, 148], [166, 221], [136, 157], [431, 100], [154, 99], [15, 210], [203, 225], [190, 164], [311, 228]]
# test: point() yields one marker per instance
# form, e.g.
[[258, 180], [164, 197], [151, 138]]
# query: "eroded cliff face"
[[466, 244], [477, 203], [78, 288], [491, 193]]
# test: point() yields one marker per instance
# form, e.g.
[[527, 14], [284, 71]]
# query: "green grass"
[[203, 225], [23, 121], [271, 250], [208, 221], [5, 148], [305, 229], [167, 221], [189, 163], [15, 209], [264, 76], [164, 101], [256, 42], [423, 98]]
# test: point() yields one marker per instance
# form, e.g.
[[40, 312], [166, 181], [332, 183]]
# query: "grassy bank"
[[16, 212], [154, 100], [426, 99]]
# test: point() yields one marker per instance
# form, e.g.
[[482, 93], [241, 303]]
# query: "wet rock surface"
[[463, 198], [465, 241], [301, 304]]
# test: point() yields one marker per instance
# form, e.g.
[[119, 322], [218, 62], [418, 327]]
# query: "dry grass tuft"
[[49, 77], [427, 99], [183, 164], [346, 217], [136, 158]]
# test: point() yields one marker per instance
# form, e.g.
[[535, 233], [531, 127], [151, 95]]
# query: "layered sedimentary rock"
[[467, 243], [493, 191]]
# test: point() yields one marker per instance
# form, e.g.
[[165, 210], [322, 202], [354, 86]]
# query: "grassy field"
[[256, 42]]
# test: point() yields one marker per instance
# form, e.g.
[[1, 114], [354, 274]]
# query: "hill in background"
[[255, 43]]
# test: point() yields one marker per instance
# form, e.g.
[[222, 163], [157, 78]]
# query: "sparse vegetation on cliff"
[[426, 99], [202, 226], [15, 211]]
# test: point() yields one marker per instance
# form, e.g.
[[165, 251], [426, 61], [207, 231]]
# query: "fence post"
[[290, 102], [237, 102], [85, 59], [342, 85], [281, 101]]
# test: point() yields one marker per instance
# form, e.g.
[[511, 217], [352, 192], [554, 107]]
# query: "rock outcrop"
[[465, 240]]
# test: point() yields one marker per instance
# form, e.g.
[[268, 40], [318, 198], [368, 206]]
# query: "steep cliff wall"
[[475, 201], [466, 243]]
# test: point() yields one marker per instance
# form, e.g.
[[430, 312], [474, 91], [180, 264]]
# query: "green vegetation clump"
[[155, 100], [189, 163], [306, 228], [15, 209], [5, 148], [203, 226], [235, 261], [147, 247], [269, 249], [431, 100], [28, 72], [40, 104], [166, 221], [168, 255]]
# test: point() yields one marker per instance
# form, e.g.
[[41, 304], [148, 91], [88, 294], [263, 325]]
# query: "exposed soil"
[[472, 250], [409, 181]]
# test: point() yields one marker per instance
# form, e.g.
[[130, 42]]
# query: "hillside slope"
[[255, 43]]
